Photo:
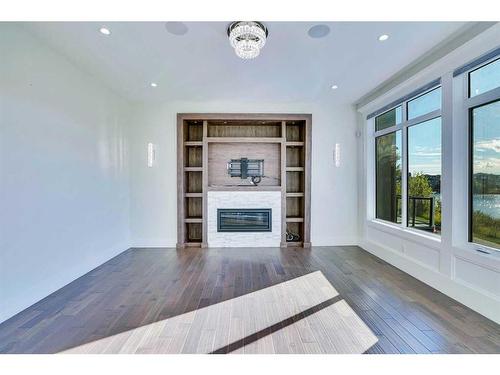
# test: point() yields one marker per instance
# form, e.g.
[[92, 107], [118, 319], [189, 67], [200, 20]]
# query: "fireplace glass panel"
[[244, 220]]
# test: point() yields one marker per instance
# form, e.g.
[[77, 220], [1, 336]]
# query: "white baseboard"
[[476, 300], [171, 242], [334, 241], [154, 242]]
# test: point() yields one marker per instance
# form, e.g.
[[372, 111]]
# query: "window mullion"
[[428, 116], [392, 129], [404, 170], [482, 98]]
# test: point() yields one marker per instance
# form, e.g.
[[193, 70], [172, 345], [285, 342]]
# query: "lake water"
[[488, 204]]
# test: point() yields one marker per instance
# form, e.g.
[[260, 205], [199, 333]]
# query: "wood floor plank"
[[146, 300]]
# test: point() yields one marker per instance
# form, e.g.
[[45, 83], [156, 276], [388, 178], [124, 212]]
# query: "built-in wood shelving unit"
[[294, 219], [193, 195], [193, 169], [244, 188], [284, 139], [243, 140], [297, 135], [193, 143]]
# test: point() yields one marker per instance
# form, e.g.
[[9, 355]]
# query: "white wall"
[[449, 264], [63, 175], [153, 190]]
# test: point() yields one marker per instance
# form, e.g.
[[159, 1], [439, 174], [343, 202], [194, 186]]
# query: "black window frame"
[[470, 193]]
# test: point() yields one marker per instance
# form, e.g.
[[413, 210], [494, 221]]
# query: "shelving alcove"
[[205, 143]]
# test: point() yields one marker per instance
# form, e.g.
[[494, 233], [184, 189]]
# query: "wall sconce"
[[151, 154], [336, 155]]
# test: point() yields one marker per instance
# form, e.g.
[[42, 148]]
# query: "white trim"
[[484, 260], [473, 297], [427, 117], [414, 235], [154, 242], [403, 126], [386, 131], [334, 241], [478, 100]]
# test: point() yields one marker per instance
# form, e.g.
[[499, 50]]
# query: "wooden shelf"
[[294, 195], [294, 219], [193, 220], [193, 195], [294, 244], [193, 169], [245, 139], [193, 143], [294, 144], [192, 244], [244, 188], [295, 169]]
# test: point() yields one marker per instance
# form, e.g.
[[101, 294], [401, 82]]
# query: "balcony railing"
[[416, 220]]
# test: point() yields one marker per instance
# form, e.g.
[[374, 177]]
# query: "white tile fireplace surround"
[[244, 199]]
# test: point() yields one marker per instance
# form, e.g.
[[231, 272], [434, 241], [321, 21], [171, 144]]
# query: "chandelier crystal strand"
[[247, 38]]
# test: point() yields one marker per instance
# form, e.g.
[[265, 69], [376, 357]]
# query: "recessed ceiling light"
[[318, 31], [383, 37], [334, 87], [105, 31], [153, 84], [176, 28]]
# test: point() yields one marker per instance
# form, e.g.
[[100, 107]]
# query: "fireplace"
[[244, 220]]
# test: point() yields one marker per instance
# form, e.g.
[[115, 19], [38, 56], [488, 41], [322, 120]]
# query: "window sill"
[[469, 253], [413, 235]]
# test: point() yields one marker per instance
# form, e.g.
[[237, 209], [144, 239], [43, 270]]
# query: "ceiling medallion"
[[247, 38]]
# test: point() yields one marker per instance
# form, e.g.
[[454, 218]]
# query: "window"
[[424, 175], [419, 115], [388, 177], [484, 79], [388, 119], [424, 104], [485, 174], [407, 142]]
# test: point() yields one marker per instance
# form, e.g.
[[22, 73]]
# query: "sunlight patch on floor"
[[302, 315]]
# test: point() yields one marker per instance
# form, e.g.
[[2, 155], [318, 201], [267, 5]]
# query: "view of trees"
[[486, 228], [388, 180], [419, 186]]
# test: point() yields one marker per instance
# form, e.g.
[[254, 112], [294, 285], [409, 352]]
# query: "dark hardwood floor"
[[142, 286]]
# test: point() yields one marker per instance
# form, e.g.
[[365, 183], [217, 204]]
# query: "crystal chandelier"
[[247, 38]]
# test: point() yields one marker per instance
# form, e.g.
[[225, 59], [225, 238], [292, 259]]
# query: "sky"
[[486, 122], [424, 143], [424, 147], [424, 139]]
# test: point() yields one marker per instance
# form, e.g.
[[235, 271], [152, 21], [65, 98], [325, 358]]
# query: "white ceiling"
[[201, 65]]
